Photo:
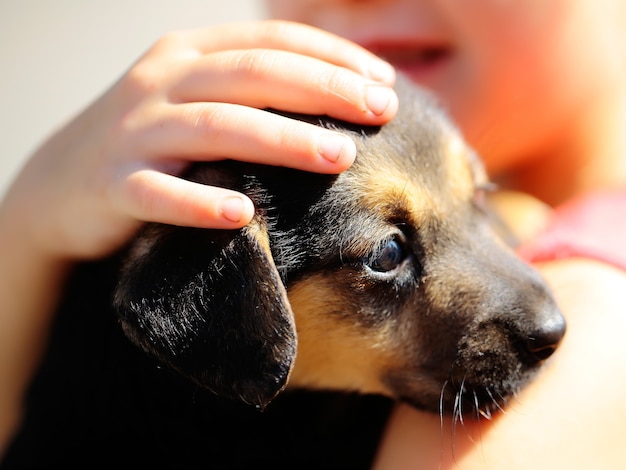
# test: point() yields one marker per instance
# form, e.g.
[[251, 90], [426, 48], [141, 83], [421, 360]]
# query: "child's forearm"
[[30, 287]]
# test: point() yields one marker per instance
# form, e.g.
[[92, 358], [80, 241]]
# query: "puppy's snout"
[[543, 341]]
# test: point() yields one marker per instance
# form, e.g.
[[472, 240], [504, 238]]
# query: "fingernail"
[[382, 71], [377, 98], [336, 146], [232, 208]]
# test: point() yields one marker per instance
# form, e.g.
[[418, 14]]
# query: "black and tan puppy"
[[387, 279]]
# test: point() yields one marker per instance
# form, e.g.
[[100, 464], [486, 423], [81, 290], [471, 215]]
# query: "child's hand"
[[195, 95]]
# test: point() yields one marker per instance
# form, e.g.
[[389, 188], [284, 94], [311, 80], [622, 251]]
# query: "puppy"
[[388, 279]]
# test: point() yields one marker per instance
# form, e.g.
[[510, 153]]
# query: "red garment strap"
[[592, 226]]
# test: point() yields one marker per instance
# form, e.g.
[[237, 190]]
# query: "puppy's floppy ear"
[[211, 305]]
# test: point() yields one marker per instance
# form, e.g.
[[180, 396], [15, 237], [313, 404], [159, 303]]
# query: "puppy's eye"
[[388, 257]]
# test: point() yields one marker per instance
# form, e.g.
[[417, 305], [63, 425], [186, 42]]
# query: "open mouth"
[[416, 61]]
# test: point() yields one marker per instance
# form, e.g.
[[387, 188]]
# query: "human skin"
[[537, 88]]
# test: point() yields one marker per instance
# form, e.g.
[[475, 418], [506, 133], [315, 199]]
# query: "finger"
[[152, 196], [214, 131], [297, 38], [265, 78]]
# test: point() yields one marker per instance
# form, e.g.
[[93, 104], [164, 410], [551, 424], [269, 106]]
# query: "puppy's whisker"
[[441, 402], [486, 413], [455, 412], [461, 403], [455, 420], [476, 404], [503, 399], [476, 411], [495, 401], [502, 404], [513, 400], [441, 418]]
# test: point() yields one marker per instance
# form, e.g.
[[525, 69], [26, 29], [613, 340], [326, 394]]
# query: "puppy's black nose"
[[542, 342]]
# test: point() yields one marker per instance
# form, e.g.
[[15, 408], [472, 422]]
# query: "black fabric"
[[98, 401]]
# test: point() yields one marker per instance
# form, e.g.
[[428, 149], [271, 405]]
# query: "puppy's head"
[[385, 279]]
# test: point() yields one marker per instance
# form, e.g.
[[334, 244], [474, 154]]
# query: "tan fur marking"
[[334, 353], [387, 189], [257, 229], [458, 168]]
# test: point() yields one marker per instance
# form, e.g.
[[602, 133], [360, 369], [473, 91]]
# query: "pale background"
[[58, 55]]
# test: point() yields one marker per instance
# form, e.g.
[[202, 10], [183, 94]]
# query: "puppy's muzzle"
[[518, 326]]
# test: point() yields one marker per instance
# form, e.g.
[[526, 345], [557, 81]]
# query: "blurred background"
[[56, 56]]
